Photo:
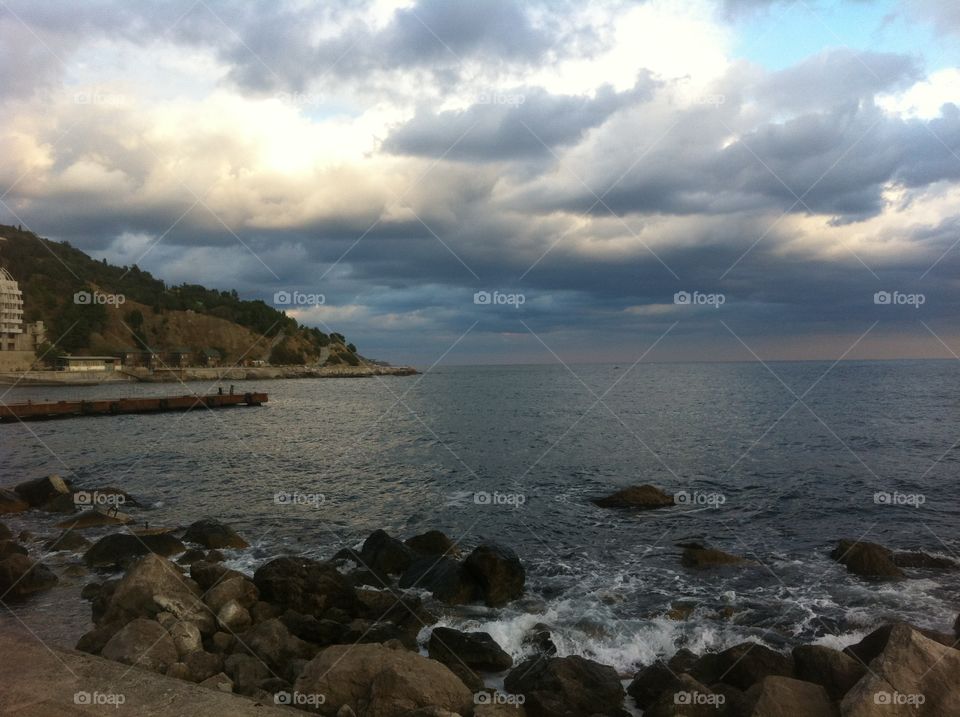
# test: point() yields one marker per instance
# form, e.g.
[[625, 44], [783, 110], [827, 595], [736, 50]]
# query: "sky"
[[497, 181]]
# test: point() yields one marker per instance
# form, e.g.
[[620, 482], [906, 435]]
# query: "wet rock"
[[498, 571], [447, 579], [539, 638], [11, 547], [742, 665], [63, 503], [307, 586], [375, 680], [11, 502], [698, 556], [5, 533], [566, 687], [118, 549], [95, 518], [433, 542], [833, 670], [42, 490], [21, 577], [234, 617], [639, 496], [912, 676], [868, 560], [385, 555], [212, 533], [143, 643], [917, 559], [654, 679], [235, 588], [192, 556], [873, 644], [775, 696], [476, 650], [67, 540]]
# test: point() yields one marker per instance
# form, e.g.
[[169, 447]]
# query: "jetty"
[[45, 410]]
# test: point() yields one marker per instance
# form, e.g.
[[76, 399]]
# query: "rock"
[[499, 572], [218, 682], [62, 503], [234, 617], [447, 579], [263, 611], [638, 496], [67, 540], [833, 670], [178, 671], [742, 665], [476, 650], [115, 550], [95, 518], [11, 502], [917, 559], [202, 665], [499, 706], [93, 641], [875, 643], [143, 643], [10, 547], [376, 681], [776, 696], [213, 534], [654, 679], [566, 687], [699, 556], [272, 642], [208, 574], [539, 638], [42, 490], [5, 533], [385, 555], [186, 638], [20, 577], [684, 696], [367, 631], [307, 586], [237, 589], [956, 627], [311, 629], [246, 671], [221, 642], [433, 542], [913, 676], [866, 559], [154, 585], [192, 556]]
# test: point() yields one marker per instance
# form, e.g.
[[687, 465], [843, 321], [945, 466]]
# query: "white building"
[[11, 311]]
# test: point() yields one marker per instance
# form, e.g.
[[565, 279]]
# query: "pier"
[[44, 410]]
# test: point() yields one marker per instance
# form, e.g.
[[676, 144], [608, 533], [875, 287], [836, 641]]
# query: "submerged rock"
[[117, 549], [638, 496], [696, 555], [212, 533], [67, 540], [868, 560], [566, 687], [95, 518], [11, 502]]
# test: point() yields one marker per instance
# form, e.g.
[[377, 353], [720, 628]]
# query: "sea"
[[772, 462]]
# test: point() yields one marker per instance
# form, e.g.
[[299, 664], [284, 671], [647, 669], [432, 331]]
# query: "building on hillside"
[[11, 311], [210, 357], [86, 363], [178, 357], [138, 358]]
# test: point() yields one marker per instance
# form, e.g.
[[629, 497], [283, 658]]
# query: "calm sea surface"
[[514, 453]]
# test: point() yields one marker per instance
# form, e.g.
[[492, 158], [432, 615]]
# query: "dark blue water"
[[411, 454]]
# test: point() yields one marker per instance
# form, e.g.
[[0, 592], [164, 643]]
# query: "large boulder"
[[376, 681], [20, 577], [833, 670], [385, 555], [186, 637], [476, 650], [433, 542], [651, 681], [499, 572], [236, 588], [637, 496], [742, 665], [212, 533], [868, 560], [12, 502], [875, 642], [308, 586], [95, 518], [918, 559], [777, 696], [202, 665], [913, 676], [143, 643], [447, 579], [42, 490], [566, 687], [208, 574], [118, 549], [271, 642], [683, 696]]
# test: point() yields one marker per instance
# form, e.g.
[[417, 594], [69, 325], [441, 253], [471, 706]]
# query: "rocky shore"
[[357, 634]]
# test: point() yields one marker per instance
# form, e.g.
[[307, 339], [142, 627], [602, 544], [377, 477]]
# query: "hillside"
[[153, 315]]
